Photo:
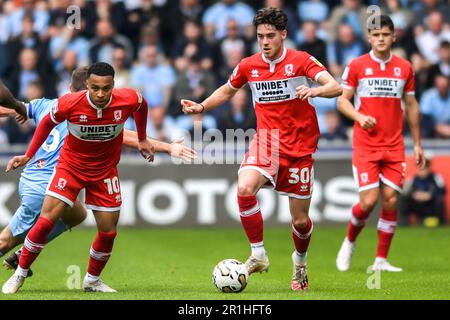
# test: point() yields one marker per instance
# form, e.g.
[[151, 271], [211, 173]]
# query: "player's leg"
[[302, 227], [104, 199], [366, 173], [392, 176], [101, 250], [387, 224], [8, 241], [249, 183], [62, 192]]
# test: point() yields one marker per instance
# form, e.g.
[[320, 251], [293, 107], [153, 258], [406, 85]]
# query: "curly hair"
[[272, 16]]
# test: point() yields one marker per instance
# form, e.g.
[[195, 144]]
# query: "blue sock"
[[59, 228]]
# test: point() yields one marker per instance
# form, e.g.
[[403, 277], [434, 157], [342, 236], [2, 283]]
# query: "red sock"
[[251, 218], [35, 242], [386, 228], [302, 236], [356, 223], [100, 252]]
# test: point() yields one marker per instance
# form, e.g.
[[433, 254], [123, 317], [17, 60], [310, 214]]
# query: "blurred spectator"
[[156, 81], [195, 83], [64, 76], [424, 8], [28, 38], [122, 78], [344, 50], [312, 10], [29, 71], [150, 37], [178, 14], [428, 41], [443, 65], [35, 90], [189, 44], [435, 103], [232, 41], [4, 139], [6, 7], [239, 115], [37, 9], [312, 44], [292, 23], [422, 200], [106, 40], [234, 56], [352, 13], [334, 128], [216, 17], [107, 10]]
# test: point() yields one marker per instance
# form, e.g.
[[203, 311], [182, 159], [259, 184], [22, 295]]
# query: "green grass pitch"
[[177, 264]]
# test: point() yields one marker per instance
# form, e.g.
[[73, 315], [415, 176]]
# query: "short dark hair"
[[273, 16], [79, 77], [102, 69], [445, 44], [380, 21]]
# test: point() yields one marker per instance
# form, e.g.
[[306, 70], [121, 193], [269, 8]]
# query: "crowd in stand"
[[173, 49]]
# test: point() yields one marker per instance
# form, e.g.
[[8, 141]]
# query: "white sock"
[[380, 260], [90, 278], [21, 272], [300, 258], [258, 250], [348, 242]]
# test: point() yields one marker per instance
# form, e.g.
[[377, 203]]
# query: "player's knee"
[[300, 222], [246, 189], [390, 203], [368, 204]]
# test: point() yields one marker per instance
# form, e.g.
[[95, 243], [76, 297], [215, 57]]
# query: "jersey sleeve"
[[349, 77], [238, 78], [58, 113], [313, 69], [410, 88], [37, 109]]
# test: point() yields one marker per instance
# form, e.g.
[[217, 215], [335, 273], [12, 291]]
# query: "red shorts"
[[101, 195], [369, 167], [293, 177]]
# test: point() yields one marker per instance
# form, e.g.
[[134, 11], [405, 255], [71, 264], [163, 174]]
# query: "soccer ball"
[[230, 275]]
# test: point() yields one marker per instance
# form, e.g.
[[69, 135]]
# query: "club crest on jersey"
[[289, 70], [40, 163], [255, 73], [369, 72], [397, 71], [117, 115], [364, 177], [83, 118], [61, 184]]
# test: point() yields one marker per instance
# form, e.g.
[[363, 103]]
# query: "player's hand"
[[17, 162], [304, 92], [191, 107], [366, 122], [20, 119], [147, 150], [178, 150], [419, 156], [20, 110]]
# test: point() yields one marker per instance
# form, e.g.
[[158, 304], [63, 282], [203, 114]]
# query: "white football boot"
[[13, 284], [382, 265], [255, 265], [344, 257], [96, 286]]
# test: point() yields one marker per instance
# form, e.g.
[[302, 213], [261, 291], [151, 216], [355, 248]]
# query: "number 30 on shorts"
[[305, 176], [113, 185]]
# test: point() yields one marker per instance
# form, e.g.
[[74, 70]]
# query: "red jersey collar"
[[381, 62], [92, 104], [274, 62]]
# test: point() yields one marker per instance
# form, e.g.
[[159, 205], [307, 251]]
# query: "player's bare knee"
[[390, 203], [246, 189], [300, 222], [368, 204]]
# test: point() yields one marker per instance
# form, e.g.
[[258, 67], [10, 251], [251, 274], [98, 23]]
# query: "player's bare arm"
[[345, 106], [412, 111], [329, 88], [217, 98], [175, 149], [7, 100]]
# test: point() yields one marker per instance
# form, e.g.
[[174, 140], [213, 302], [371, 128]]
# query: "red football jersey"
[[273, 86], [95, 138], [379, 88]]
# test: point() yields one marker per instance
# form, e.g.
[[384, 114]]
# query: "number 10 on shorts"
[[113, 185]]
